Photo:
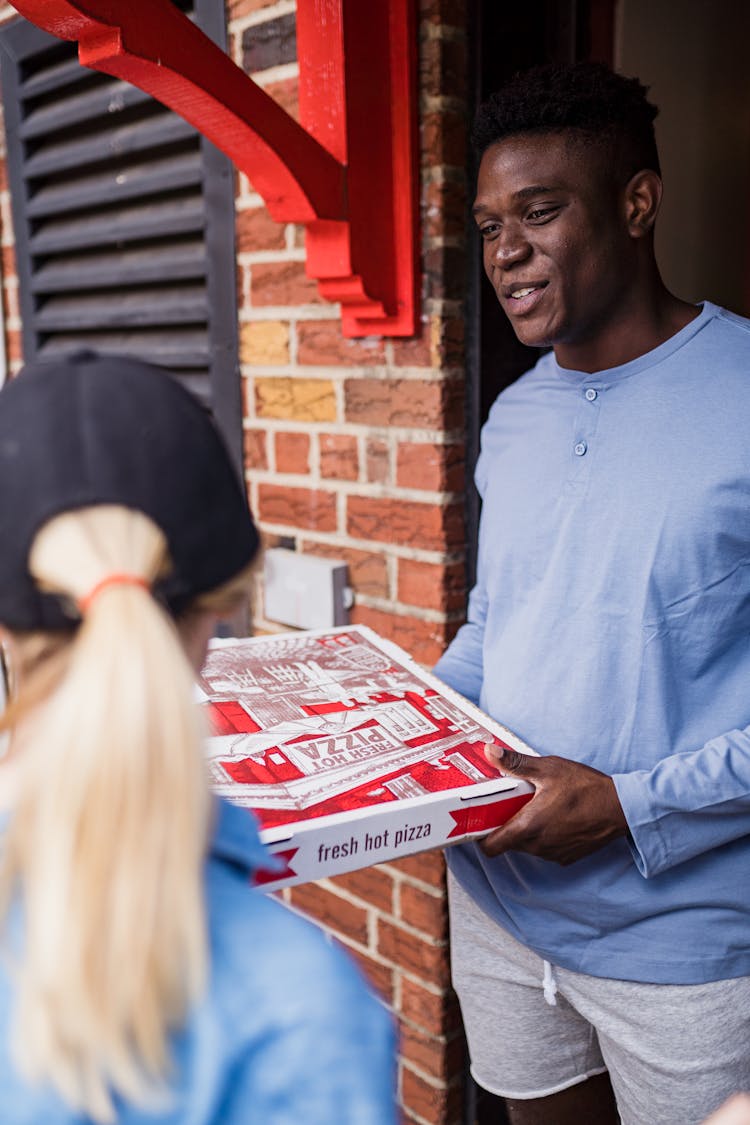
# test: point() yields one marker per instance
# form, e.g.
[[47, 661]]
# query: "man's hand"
[[574, 811]]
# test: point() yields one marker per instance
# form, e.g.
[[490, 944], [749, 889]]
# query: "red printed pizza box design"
[[348, 752]]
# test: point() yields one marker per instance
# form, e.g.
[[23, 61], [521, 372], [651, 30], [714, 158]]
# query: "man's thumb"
[[506, 759]]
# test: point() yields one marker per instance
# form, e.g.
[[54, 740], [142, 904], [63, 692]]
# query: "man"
[[602, 934]]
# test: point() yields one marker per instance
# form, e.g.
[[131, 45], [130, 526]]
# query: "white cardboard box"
[[348, 752]]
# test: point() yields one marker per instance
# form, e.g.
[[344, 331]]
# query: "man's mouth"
[[522, 299], [521, 291]]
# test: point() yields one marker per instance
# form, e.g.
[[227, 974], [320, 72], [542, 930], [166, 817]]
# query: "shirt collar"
[[235, 838], [611, 375]]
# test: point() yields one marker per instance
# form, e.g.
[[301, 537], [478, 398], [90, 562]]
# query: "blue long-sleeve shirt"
[[610, 624], [286, 1033]]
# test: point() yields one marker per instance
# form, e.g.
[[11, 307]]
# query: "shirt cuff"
[[644, 839]]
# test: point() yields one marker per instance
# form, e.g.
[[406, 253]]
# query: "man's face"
[[556, 248]]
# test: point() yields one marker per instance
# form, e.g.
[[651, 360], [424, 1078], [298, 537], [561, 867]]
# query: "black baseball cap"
[[95, 429]]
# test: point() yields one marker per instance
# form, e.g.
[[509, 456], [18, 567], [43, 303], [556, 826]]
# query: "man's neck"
[[646, 320]]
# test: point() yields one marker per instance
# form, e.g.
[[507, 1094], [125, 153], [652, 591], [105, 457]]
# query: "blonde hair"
[[107, 837]]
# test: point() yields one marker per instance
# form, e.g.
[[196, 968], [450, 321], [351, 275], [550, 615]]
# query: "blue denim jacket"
[[287, 1033]]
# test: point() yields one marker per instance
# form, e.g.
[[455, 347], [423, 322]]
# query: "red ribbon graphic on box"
[[264, 875], [483, 818]]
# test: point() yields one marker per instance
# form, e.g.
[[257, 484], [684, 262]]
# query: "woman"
[[143, 980]]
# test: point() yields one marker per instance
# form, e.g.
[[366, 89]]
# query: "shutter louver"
[[112, 229]]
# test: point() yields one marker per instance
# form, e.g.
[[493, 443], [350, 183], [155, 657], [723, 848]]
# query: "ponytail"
[[108, 832]]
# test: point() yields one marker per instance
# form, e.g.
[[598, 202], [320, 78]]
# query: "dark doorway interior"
[[507, 38]]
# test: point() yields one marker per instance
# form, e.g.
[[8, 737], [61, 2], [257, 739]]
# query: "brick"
[[448, 342], [431, 1053], [421, 464], [332, 910], [443, 139], [9, 262], [339, 456], [256, 230], [297, 507], [445, 273], [442, 67], [437, 1013], [269, 44], [299, 400], [435, 1105], [445, 209], [247, 390], [242, 283], [378, 461], [380, 976], [282, 283], [255, 449], [368, 572], [11, 302], [447, 13], [414, 351], [320, 342], [14, 345], [424, 911], [265, 343], [440, 586], [237, 9], [424, 640], [292, 453], [371, 884], [428, 867], [420, 957], [403, 402], [286, 93], [431, 527]]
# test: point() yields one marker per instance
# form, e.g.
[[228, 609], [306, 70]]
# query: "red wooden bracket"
[[348, 170]]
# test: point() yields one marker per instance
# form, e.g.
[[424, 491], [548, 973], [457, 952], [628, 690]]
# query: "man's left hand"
[[574, 811]]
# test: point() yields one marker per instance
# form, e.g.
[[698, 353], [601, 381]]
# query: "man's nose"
[[510, 246]]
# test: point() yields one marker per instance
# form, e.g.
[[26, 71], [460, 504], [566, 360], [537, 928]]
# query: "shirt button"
[[580, 448], [591, 394]]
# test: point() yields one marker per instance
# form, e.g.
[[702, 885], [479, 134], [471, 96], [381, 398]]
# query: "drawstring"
[[549, 985]]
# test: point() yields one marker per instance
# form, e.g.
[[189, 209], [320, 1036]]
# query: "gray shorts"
[[674, 1052]]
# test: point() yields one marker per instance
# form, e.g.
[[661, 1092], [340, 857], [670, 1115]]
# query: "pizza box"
[[348, 752]]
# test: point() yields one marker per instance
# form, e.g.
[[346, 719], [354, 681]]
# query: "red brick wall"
[[355, 450]]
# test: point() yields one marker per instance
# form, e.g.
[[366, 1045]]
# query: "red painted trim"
[[348, 170]]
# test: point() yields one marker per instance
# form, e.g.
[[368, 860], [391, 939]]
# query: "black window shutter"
[[124, 220]]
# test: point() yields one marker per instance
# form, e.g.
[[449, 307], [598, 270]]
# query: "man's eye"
[[489, 230], [540, 214]]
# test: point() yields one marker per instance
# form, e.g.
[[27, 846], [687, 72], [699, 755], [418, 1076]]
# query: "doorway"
[[692, 55], [506, 38]]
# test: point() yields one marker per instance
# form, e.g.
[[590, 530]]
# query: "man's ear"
[[642, 199]]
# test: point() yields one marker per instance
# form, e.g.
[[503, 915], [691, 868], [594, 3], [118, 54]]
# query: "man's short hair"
[[605, 109]]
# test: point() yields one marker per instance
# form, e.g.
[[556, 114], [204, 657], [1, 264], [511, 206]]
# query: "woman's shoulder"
[[307, 1038], [266, 954], [261, 946]]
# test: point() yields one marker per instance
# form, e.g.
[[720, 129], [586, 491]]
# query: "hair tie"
[[84, 603]]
